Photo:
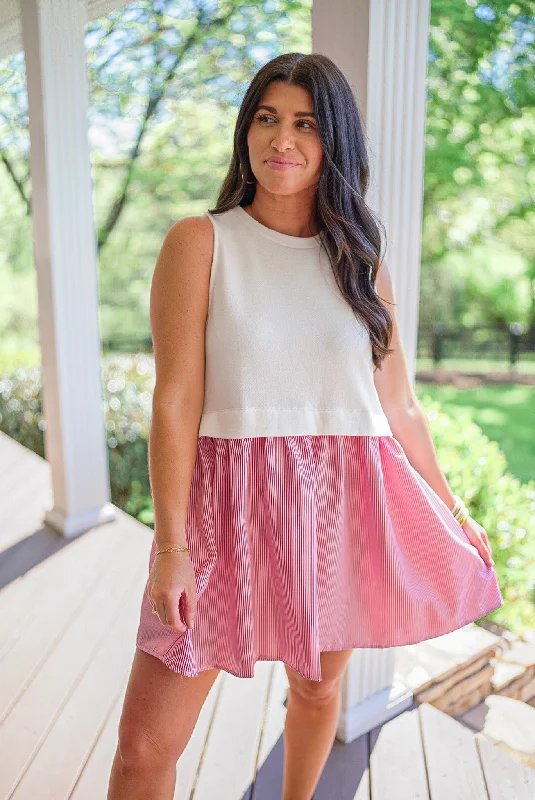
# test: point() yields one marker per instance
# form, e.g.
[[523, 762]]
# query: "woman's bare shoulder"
[[181, 279], [192, 237]]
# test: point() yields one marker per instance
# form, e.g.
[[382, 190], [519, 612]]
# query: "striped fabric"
[[308, 543]]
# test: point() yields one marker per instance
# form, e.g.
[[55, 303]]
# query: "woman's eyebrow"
[[297, 113]]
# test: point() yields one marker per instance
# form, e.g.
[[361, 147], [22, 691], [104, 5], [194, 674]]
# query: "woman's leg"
[[312, 713], [159, 714]]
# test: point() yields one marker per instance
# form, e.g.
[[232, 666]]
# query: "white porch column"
[[381, 47], [65, 259]]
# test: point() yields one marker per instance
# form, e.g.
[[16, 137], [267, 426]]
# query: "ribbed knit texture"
[[285, 353]]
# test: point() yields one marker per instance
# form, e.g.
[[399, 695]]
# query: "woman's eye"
[[267, 118]]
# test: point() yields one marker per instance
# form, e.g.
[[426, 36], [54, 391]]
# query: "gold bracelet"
[[172, 549], [458, 505], [462, 520], [460, 511]]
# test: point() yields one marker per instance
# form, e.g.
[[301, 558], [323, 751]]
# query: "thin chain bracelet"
[[172, 549]]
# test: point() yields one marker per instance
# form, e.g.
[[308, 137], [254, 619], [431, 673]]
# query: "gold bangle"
[[458, 505], [462, 520], [172, 549], [461, 516], [460, 511]]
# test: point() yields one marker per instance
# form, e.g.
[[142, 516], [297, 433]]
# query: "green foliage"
[[165, 84], [21, 410], [475, 467], [16, 352], [479, 163], [476, 470], [128, 383], [505, 413]]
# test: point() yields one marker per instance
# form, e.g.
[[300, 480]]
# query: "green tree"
[[479, 162], [166, 80]]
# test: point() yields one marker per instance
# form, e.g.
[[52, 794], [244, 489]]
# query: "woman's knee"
[[159, 713], [315, 694], [140, 748], [320, 693]]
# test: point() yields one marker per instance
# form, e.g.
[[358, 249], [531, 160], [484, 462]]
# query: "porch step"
[[514, 670], [508, 723], [453, 672], [483, 679]]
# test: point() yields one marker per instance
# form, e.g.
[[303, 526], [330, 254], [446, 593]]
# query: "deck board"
[[228, 765], [50, 615], [189, 762], [64, 663], [453, 764], [268, 779], [392, 747], [504, 783], [68, 617], [92, 782], [346, 775], [23, 475], [62, 756]]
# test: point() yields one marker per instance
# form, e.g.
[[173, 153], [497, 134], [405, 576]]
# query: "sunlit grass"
[[505, 413], [524, 366]]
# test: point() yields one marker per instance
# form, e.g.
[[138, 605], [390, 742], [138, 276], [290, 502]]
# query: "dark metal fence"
[[504, 343], [127, 344], [438, 342]]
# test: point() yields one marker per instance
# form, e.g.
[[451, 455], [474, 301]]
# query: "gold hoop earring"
[[243, 178]]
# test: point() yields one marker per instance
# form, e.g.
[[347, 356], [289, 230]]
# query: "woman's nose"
[[282, 141]]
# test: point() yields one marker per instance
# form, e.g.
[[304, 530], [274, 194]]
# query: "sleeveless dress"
[[308, 528]]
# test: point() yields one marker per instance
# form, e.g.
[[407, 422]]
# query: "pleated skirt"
[[302, 544]]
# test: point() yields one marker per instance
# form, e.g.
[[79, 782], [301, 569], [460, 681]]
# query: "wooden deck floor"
[[68, 617]]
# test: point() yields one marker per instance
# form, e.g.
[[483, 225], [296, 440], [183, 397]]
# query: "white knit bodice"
[[285, 354]]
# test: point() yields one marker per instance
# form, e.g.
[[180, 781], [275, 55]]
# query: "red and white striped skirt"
[[308, 543]]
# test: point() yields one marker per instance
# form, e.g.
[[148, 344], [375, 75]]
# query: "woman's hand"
[[478, 537], [172, 575]]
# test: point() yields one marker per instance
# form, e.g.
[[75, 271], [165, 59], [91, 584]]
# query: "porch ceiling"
[[10, 28]]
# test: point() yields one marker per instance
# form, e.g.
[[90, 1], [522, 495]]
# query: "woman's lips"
[[279, 165]]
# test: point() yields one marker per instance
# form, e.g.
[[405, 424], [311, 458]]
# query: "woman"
[[287, 450]]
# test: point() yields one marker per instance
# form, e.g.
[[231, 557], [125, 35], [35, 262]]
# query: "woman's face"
[[284, 128]]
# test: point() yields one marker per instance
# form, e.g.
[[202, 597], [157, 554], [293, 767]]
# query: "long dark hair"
[[349, 231]]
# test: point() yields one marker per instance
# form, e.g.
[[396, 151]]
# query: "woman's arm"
[[407, 419], [178, 312], [405, 415]]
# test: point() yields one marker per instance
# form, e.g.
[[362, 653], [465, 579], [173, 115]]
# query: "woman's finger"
[[154, 605], [189, 608], [479, 539], [488, 554], [162, 613], [487, 547], [481, 547], [174, 619]]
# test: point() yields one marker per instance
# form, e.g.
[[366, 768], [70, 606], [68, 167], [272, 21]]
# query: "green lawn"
[[505, 413], [524, 366]]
